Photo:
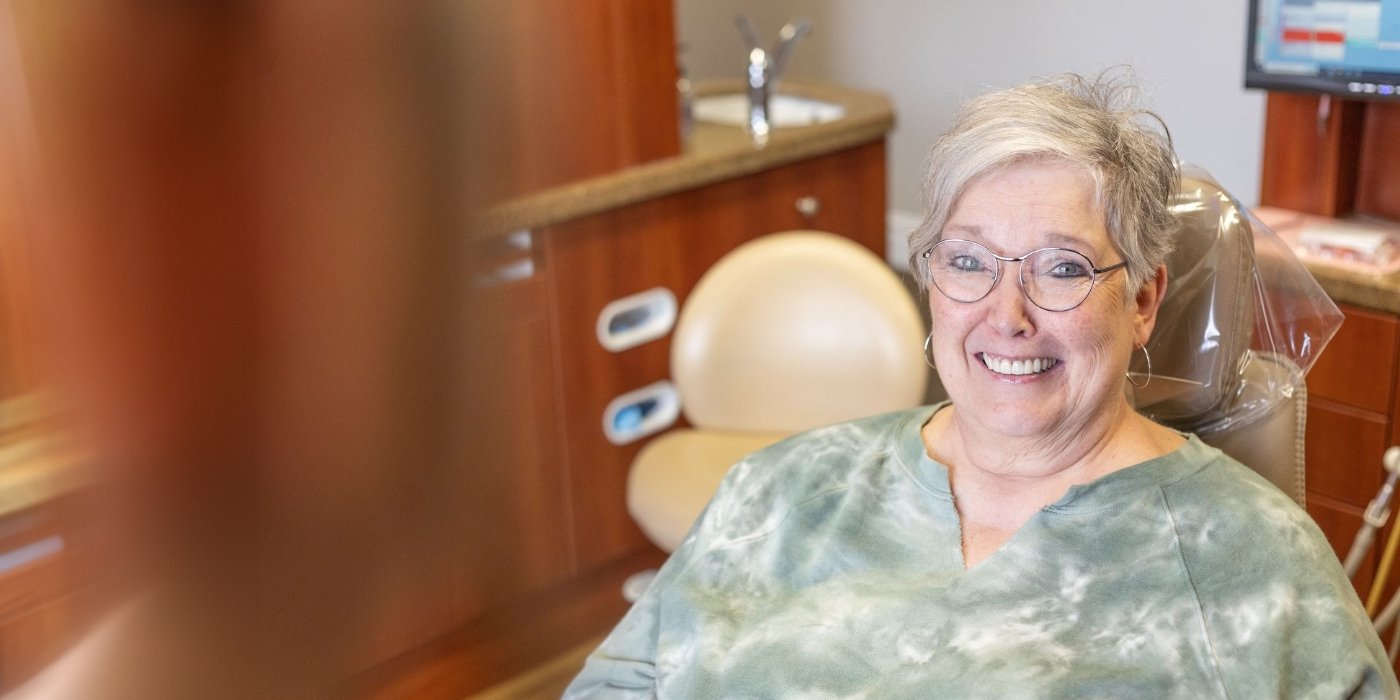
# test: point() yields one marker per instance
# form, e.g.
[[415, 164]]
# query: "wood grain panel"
[[1358, 367], [578, 88], [524, 500], [1378, 192], [1306, 168], [509, 640], [670, 242], [1344, 448], [17, 338]]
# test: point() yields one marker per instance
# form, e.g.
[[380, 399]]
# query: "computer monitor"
[[1340, 47]]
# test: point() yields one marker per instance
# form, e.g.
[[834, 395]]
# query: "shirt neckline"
[[1106, 491]]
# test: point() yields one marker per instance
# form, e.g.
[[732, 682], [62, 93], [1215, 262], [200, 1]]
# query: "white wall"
[[927, 55]]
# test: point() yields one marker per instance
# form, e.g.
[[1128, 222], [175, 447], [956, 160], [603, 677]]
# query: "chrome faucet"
[[765, 68]]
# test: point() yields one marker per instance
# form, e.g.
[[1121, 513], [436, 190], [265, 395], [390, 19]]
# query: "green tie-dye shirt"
[[830, 566]]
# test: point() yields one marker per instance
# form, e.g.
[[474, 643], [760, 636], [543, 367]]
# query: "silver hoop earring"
[[928, 357], [1129, 375]]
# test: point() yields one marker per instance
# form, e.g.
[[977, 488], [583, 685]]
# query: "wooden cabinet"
[[1334, 163], [1353, 417], [48, 592], [1351, 422], [552, 578], [669, 243]]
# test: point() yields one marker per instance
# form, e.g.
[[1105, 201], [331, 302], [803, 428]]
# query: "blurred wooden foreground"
[[251, 290]]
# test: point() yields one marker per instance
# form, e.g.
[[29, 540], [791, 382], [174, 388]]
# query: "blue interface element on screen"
[[1340, 47]]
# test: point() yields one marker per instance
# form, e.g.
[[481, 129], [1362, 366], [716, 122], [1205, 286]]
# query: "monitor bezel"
[[1254, 77]]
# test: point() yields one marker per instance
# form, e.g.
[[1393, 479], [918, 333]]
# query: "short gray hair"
[[1095, 123]]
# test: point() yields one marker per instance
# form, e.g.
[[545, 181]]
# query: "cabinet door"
[[50, 589], [670, 242], [1350, 394], [501, 535]]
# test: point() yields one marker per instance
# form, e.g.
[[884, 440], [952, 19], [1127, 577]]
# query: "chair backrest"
[[1205, 376], [1272, 445], [796, 330]]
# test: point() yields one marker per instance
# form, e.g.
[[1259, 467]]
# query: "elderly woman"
[[1034, 536]]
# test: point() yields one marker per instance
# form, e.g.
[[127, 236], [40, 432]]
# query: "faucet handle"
[[790, 33], [746, 28]]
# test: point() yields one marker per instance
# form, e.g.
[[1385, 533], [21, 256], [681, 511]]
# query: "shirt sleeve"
[[625, 664], [1281, 618]]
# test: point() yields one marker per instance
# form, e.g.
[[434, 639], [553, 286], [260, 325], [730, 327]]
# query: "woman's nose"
[[1009, 310]]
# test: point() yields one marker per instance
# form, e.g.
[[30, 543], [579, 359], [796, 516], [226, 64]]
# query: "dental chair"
[[787, 332], [771, 343], [1223, 364]]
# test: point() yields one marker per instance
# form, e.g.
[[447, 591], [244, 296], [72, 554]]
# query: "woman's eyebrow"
[[966, 228], [1068, 240], [1051, 239]]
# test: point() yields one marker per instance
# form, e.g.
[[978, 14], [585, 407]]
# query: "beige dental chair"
[[788, 332]]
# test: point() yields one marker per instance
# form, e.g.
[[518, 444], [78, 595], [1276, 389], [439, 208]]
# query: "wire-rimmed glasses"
[[1054, 279]]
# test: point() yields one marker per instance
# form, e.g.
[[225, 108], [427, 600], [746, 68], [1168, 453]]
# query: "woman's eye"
[[1068, 269], [966, 263]]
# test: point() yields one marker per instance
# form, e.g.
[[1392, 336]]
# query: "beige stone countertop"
[[37, 464], [1345, 284], [712, 154], [39, 470]]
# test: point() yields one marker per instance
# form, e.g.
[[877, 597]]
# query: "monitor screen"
[[1339, 47]]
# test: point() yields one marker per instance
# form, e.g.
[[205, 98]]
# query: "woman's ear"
[[1149, 300]]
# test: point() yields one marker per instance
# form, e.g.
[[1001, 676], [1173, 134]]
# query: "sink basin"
[[783, 110]]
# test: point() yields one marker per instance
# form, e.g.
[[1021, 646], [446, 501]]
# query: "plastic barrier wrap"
[[1242, 323]]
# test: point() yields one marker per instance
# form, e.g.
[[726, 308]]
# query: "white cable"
[[1377, 513]]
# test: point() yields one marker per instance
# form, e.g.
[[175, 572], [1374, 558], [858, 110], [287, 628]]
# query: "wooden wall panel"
[[577, 88], [507, 642], [1307, 168], [17, 339], [1378, 192]]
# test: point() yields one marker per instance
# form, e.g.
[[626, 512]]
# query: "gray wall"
[[927, 55]]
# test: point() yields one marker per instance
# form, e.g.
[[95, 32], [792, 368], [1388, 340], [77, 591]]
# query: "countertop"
[[1378, 292], [36, 463], [712, 153]]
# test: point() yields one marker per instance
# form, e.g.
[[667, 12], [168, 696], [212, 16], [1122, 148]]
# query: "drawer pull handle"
[[645, 411], [808, 206], [30, 553], [514, 261], [640, 318]]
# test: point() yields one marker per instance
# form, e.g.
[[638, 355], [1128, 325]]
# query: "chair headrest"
[[1206, 322], [1237, 295], [797, 330]]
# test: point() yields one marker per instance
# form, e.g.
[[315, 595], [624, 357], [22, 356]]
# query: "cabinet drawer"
[[1344, 448], [1358, 367]]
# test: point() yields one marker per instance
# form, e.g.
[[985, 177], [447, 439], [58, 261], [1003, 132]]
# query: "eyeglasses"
[[1055, 279]]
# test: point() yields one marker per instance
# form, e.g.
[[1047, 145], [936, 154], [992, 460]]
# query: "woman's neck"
[[999, 482], [1037, 470]]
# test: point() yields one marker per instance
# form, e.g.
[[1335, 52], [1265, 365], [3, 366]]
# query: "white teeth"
[[1018, 367]]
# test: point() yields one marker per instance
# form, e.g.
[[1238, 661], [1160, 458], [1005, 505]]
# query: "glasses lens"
[[1057, 279], [962, 270]]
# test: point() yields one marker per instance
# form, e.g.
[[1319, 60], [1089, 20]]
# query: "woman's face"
[[1083, 352]]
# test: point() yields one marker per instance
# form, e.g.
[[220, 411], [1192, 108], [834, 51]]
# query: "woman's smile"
[[1017, 367]]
